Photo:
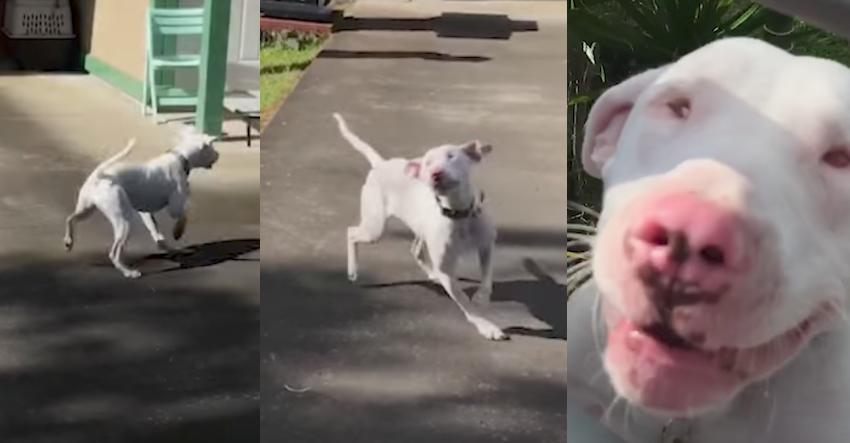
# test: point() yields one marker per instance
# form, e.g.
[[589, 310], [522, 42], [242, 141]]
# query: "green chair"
[[164, 25]]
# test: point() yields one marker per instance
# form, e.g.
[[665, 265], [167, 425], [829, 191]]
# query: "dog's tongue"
[[666, 378]]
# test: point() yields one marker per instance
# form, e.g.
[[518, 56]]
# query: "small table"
[[247, 108]]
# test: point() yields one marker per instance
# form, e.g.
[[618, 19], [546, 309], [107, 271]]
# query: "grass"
[[283, 60]]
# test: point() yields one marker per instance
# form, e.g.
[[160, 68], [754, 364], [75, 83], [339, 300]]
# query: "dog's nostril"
[[712, 255], [654, 234]]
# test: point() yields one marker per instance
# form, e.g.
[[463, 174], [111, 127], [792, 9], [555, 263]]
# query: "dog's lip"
[[665, 370], [443, 185]]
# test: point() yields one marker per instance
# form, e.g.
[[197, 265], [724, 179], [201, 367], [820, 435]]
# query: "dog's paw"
[[166, 247], [488, 329], [132, 273], [352, 276], [69, 244], [179, 228]]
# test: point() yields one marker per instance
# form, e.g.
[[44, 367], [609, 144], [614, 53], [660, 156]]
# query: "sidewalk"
[[391, 358], [85, 353]]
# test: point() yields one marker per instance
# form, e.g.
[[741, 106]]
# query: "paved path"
[[86, 355], [391, 359]]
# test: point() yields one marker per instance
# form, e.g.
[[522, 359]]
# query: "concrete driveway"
[[391, 359], [86, 355]]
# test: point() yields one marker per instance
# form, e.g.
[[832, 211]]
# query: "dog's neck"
[[461, 202], [184, 162]]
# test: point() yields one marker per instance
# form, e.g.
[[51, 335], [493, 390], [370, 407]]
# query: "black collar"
[[456, 214], [184, 162]]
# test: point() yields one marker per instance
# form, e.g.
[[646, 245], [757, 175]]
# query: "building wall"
[[112, 39], [117, 35]]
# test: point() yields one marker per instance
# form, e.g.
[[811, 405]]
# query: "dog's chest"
[[147, 192], [467, 233]]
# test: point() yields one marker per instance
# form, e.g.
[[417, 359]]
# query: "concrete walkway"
[[86, 355], [392, 359]]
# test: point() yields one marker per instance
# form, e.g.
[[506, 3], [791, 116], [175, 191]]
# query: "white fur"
[[121, 191], [401, 188], [759, 121]]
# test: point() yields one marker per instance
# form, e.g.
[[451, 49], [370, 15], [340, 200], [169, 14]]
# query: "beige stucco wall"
[[117, 34]]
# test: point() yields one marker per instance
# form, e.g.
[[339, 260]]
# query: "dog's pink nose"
[[436, 176], [688, 239]]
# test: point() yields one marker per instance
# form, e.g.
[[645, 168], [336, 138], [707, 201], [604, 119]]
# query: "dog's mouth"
[[443, 185], [653, 367]]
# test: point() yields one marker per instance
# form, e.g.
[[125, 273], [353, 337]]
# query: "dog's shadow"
[[207, 254], [544, 297]]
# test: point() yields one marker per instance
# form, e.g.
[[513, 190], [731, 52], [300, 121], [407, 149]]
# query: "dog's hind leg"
[[372, 221], [150, 222], [84, 209], [417, 248], [118, 210]]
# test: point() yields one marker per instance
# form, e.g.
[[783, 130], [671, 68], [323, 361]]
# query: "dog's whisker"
[[577, 227]]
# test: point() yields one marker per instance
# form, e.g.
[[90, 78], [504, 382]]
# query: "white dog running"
[[121, 191], [722, 261], [436, 199]]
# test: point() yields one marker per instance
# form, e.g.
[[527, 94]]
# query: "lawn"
[[282, 61]]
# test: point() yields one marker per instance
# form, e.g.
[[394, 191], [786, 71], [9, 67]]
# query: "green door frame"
[[212, 74]]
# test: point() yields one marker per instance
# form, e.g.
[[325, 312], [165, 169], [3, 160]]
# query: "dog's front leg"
[[150, 223], [485, 288], [444, 273], [177, 206]]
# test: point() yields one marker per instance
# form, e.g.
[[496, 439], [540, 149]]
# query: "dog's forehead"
[[441, 151]]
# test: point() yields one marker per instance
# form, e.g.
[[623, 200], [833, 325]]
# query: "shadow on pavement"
[[209, 254], [424, 55], [544, 297], [448, 25], [343, 364], [89, 356]]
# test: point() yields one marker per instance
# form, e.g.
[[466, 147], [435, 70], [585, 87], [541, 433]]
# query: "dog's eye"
[[837, 158], [450, 155]]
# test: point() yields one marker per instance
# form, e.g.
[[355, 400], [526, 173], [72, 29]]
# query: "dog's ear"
[[476, 150], [608, 117], [412, 168]]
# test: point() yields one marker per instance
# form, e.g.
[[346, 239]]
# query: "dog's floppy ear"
[[412, 168], [608, 116], [476, 150]]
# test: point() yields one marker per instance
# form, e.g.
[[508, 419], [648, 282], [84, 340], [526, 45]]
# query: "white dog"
[[721, 268], [121, 191], [436, 199]]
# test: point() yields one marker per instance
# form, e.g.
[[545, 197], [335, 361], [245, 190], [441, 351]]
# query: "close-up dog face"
[[722, 243], [443, 167]]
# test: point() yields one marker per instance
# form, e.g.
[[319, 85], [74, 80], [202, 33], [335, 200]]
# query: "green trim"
[[167, 43], [118, 79], [213, 70]]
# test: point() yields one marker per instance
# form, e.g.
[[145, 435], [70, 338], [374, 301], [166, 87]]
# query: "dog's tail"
[[361, 146], [115, 158]]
